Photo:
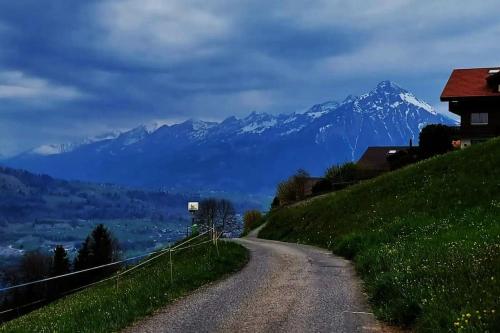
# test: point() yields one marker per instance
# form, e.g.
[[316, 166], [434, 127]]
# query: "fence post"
[[116, 282], [171, 266], [217, 243]]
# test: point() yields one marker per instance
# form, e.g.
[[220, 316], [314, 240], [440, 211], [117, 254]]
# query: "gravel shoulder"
[[284, 288]]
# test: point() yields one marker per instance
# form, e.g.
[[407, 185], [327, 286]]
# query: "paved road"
[[284, 288]]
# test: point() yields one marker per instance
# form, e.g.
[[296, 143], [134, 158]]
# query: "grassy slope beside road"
[[104, 309], [425, 239]]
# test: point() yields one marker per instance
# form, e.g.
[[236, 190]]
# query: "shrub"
[[347, 172]]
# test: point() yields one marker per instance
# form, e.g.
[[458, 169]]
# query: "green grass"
[[104, 309], [425, 239]]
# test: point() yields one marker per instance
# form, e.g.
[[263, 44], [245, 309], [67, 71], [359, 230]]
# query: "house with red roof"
[[474, 95]]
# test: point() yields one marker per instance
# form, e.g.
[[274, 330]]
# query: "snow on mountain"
[[257, 123], [319, 110], [54, 149], [408, 97], [51, 149], [247, 154]]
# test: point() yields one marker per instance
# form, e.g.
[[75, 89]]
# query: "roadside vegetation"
[[435, 139], [111, 306], [252, 220], [99, 248], [424, 238]]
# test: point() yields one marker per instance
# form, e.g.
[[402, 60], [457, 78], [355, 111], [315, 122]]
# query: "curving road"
[[284, 288]]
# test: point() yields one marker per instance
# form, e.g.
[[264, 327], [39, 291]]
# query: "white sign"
[[193, 206]]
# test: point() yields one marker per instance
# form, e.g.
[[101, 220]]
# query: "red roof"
[[468, 83]]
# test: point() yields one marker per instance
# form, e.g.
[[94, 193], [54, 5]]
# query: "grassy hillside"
[[104, 308], [425, 239]]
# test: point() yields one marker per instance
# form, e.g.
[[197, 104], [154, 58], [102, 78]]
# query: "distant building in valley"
[[474, 95]]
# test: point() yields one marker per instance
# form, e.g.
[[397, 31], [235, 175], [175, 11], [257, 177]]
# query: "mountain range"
[[248, 155]]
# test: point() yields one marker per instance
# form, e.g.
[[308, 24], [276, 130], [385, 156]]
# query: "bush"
[[347, 172]]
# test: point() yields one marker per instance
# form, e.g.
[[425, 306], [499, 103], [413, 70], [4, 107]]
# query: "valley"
[[38, 212], [135, 236]]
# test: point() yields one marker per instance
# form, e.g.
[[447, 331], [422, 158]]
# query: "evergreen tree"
[[60, 265], [99, 248], [60, 261], [102, 246], [83, 260]]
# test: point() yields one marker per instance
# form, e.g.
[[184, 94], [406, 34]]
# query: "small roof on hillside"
[[470, 82], [375, 158]]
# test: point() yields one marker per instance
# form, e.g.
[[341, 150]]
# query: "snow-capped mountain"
[[249, 154], [60, 148]]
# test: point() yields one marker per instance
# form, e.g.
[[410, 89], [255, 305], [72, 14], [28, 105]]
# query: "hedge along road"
[[284, 288]]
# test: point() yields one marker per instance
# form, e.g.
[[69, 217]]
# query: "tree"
[[218, 213], [83, 259], [436, 139], [99, 248], [207, 211], [251, 220], [299, 180], [60, 261], [103, 246], [275, 203], [60, 265], [294, 188], [226, 215], [35, 265], [344, 173], [286, 192]]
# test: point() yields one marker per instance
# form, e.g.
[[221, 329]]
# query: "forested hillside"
[[25, 196]]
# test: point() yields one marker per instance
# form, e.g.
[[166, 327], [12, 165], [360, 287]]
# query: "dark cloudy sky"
[[71, 69]]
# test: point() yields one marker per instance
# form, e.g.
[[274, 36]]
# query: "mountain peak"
[[389, 86], [349, 99]]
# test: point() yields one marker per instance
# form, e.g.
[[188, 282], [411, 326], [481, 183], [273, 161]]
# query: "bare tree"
[[206, 214], [226, 215], [218, 213], [299, 180], [294, 188]]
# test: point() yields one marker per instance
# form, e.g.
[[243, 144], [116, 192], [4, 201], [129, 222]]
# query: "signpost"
[[193, 207]]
